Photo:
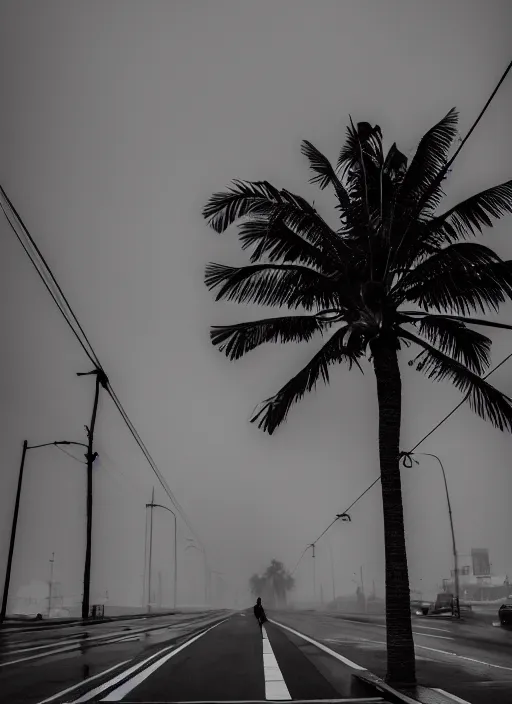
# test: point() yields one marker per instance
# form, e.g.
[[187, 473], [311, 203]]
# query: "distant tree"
[[273, 585], [281, 582], [257, 584], [394, 273]]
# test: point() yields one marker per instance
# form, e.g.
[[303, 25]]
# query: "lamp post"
[[407, 461], [152, 505], [50, 589], [219, 576], [26, 447], [312, 546], [332, 573], [206, 571]]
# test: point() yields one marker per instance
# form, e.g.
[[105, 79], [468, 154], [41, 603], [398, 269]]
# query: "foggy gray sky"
[[118, 121]]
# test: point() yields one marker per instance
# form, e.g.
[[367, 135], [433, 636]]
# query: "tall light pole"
[[101, 379], [206, 571], [50, 588], [152, 505], [332, 573], [407, 462], [7, 581], [312, 546]]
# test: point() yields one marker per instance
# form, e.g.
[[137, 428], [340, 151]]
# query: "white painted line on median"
[[275, 686], [453, 697], [82, 683], [463, 657], [334, 654], [42, 647], [121, 691], [431, 635], [40, 655]]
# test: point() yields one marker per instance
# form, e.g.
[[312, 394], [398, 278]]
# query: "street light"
[[26, 446], [152, 505], [206, 570], [408, 460]]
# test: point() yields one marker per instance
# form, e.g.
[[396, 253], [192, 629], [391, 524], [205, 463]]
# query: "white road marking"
[[432, 628], [42, 647], [323, 647], [453, 697], [431, 635], [124, 689], [80, 684], [109, 638], [39, 655], [275, 686], [463, 657]]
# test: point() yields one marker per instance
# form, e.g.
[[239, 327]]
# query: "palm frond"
[[462, 277], [275, 409], [272, 285], [429, 159], [325, 173], [454, 339], [395, 164], [472, 214], [465, 320], [484, 399], [364, 138], [278, 243], [263, 200], [236, 340], [223, 209]]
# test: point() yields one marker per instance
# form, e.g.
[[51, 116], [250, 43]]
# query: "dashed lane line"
[[275, 686]]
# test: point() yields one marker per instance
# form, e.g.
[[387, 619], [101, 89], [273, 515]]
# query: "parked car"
[[505, 613], [420, 608]]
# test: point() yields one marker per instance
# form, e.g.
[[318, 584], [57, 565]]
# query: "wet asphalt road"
[[222, 656]]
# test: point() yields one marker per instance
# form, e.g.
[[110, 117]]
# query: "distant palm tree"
[[257, 584], [273, 585], [390, 250]]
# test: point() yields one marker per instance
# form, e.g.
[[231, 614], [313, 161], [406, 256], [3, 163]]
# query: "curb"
[[413, 695]]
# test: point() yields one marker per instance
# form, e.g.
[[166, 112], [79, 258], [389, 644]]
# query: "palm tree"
[[273, 585], [357, 284], [257, 584], [281, 582]]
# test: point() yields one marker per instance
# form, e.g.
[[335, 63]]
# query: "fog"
[[118, 121]]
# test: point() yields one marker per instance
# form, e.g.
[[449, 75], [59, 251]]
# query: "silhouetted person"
[[259, 612]]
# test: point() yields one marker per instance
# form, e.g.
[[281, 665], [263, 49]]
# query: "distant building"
[[476, 582]]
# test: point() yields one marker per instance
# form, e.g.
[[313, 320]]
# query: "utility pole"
[[151, 506], [13, 534], [101, 379], [332, 574], [50, 586], [312, 546], [362, 587], [14, 526], [159, 589]]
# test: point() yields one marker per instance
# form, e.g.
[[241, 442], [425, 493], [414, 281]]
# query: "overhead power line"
[[52, 286], [443, 420]]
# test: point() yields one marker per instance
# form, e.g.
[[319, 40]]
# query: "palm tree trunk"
[[401, 666]]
